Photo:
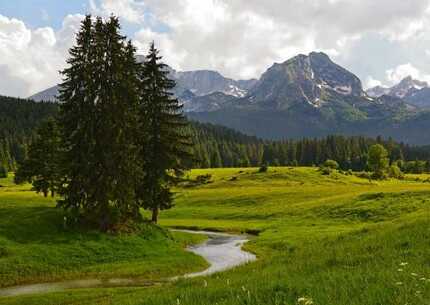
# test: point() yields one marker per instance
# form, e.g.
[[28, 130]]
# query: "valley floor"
[[338, 240]]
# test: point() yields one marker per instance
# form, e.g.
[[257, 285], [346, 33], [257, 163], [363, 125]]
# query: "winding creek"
[[222, 251]]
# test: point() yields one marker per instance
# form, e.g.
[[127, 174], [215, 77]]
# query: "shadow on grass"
[[38, 224]]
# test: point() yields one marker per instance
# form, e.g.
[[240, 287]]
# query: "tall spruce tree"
[[42, 168], [77, 121], [98, 116], [165, 147]]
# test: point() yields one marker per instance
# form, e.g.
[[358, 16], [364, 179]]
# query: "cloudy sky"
[[381, 41]]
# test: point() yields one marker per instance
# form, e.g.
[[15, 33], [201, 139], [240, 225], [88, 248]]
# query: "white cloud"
[[242, 38], [239, 38], [371, 82], [395, 75], [31, 58], [128, 10], [173, 56]]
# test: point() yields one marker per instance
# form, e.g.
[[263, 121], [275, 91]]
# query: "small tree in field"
[[42, 167], [378, 160]]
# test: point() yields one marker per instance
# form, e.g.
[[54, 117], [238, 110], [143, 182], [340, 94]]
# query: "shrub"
[[325, 171], [364, 175], [379, 175], [204, 179], [263, 169], [395, 172], [331, 164]]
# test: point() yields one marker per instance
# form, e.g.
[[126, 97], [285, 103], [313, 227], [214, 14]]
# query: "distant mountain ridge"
[[189, 84], [407, 86], [413, 91], [48, 95]]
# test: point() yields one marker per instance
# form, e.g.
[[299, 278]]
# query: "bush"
[[3, 172], [364, 175], [325, 171], [395, 172], [263, 169], [379, 175], [204, 179], [331, 164]]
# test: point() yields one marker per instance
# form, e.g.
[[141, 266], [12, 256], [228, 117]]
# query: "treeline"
[[18, 120], [217, 146]]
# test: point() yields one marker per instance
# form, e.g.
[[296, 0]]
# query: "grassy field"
[[338, 240]]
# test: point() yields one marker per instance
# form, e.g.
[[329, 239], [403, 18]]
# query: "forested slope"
[[18, 119], [215, 146]]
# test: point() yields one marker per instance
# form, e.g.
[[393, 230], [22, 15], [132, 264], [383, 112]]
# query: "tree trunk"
[[155, 215], [45, 193]]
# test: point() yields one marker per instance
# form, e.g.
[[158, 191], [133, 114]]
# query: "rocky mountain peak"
[[308, 79], [407, 86]]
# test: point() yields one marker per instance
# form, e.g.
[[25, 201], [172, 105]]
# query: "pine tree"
[[116, 97], [99, 121], [164, 142], [77, 122], [42, 168]]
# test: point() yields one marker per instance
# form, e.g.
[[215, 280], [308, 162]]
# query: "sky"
[[380, 41]]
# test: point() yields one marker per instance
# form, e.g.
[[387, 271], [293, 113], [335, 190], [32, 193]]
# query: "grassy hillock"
[[335, 239], [36, 247]]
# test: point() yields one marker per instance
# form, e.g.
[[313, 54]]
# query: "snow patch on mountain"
[[235, 91]]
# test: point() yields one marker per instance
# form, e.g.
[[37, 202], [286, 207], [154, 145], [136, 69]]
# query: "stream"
[[222, 251]]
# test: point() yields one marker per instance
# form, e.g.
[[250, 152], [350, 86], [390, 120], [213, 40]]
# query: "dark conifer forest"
[[217, 146]]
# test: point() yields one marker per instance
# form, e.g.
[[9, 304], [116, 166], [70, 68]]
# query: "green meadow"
[[323, 240]]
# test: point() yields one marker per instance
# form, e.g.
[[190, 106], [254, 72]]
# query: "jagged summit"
[[413, 91], [406, 87], [309, 79]]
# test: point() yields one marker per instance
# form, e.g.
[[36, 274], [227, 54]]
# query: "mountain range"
[[189, 84], [305, 96], [413, 91]]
